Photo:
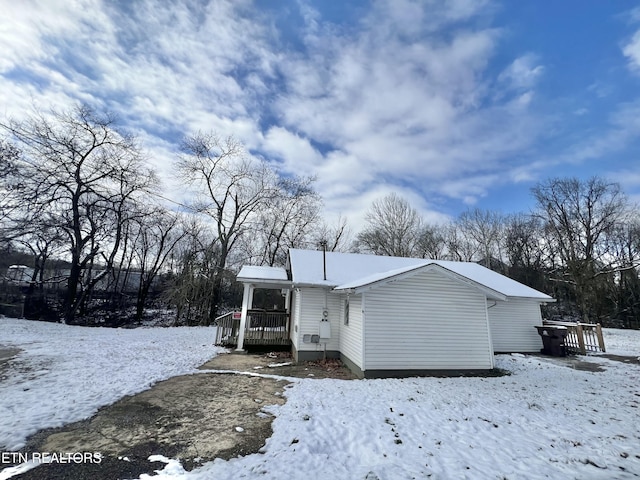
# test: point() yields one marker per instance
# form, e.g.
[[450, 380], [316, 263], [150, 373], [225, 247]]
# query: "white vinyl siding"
[[312, 302], [512, 326], [351, 335], [426, 321]]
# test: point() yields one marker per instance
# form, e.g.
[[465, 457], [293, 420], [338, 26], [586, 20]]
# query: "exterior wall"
[[312, 302], [313, 355], [427, 321], [512, 326], [351, 335]]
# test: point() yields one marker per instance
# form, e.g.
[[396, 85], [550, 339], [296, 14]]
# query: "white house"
[[391, 316]]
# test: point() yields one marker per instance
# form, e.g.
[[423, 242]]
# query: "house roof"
[[256, 274], [347, 271], [376, 280]]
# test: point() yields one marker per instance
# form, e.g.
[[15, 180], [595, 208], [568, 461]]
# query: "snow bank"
[[65, 373]]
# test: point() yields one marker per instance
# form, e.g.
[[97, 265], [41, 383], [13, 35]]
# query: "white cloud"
[[408, 98], [354, 207], [631, 50], [33, 22], [623, 128], [594, 149], [522, 73], [401, 101], [629, 179], [297, 154]]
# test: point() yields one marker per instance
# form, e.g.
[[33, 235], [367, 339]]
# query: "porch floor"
[[248, 342]]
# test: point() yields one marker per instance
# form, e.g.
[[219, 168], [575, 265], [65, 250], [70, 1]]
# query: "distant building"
[[19, 274]]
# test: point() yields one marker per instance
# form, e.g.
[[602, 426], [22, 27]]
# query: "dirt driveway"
[[194, 417]]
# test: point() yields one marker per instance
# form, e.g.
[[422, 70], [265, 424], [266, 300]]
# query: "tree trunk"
[[70, 304]]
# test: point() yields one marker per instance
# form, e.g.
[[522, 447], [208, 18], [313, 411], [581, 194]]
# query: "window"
[[346, 311]]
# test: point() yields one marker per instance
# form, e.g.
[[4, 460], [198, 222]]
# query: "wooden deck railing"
[[262, 328], [228, 327], [267, 328], [581, 337]]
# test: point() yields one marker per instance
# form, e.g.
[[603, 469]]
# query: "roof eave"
[[538, 299], [295, 284], [266, 281]]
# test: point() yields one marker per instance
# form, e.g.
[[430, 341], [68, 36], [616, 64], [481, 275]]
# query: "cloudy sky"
[[452, 104]]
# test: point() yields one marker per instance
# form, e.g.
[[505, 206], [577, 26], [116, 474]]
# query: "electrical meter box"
[[325, 329]]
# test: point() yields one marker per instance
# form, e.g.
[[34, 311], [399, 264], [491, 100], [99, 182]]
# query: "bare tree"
[[483, 227], [525, 249], [523, 241], [286, 221], [432, 242], [10, 183], [232, 189], [578, 216], [625, 290], [157, 234], [337, 237], [393, 228], [81, 174], [459, 246], [192, 271]]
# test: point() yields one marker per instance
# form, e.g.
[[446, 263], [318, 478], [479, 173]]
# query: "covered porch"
[[265, 317], [262, 328]]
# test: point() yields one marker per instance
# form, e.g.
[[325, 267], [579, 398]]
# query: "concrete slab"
[[278, 363], [194, 417]]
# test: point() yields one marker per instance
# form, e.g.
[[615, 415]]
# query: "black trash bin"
[[553, 339]]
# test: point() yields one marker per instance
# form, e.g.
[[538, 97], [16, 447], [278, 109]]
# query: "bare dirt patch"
[[279, 363], [195, 418], [622, 358], [575, 362]]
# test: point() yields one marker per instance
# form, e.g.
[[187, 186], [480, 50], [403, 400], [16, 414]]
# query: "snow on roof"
[[380, 276], [353, 270], [251, 272]]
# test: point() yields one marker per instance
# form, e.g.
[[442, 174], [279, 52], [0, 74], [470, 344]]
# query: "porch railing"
[[581, 337], [228, 328], [262, 328]]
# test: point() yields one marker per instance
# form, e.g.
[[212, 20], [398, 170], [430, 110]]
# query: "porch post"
[[247, 302]]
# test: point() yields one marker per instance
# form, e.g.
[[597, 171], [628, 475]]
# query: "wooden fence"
[[581, 337]]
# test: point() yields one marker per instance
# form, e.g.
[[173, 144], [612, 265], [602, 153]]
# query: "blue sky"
[[453, 105]]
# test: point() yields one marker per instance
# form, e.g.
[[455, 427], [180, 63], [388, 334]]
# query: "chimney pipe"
[[323, 244]]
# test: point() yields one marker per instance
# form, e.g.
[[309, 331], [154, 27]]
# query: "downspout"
[[363, 333], [486, 313], [325, 317]]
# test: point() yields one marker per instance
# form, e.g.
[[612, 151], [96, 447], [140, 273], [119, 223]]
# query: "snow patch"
[[65, 373], [545, 420]]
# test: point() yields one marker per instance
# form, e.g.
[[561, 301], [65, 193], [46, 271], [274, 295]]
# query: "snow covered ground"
[[545, 420], [65, 373]]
